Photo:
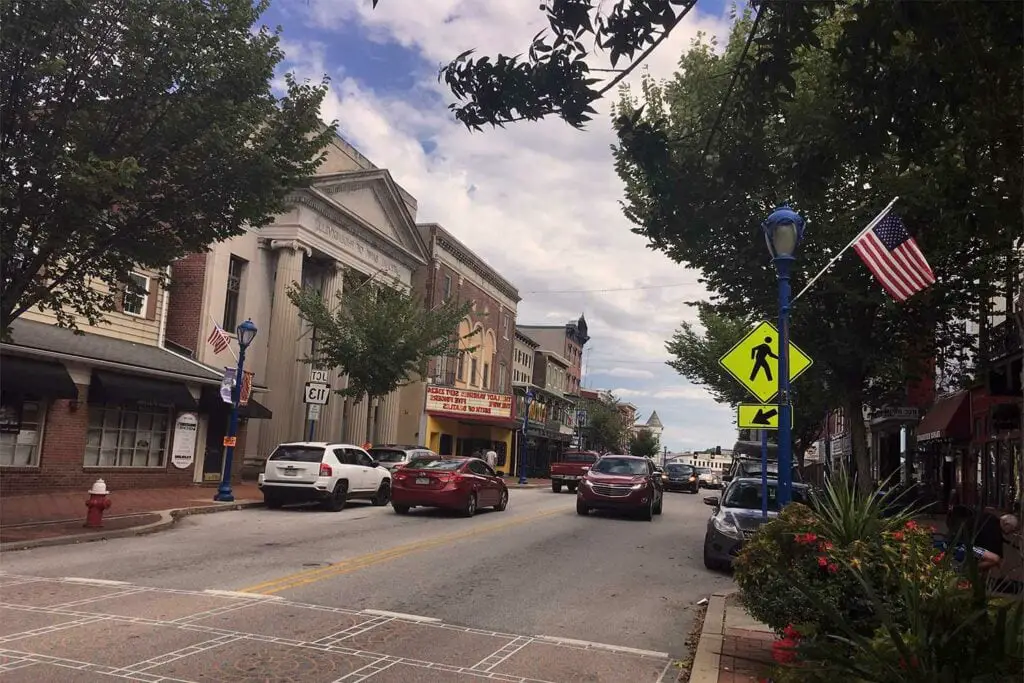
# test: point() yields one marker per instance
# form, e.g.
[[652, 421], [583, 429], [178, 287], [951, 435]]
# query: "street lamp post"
[[783, 230], [527, 400], [246, 333]]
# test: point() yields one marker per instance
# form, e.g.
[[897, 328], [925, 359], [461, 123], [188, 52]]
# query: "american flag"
[[894, 258], [218, 339]]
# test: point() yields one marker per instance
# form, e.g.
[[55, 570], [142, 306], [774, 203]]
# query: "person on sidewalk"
[[986, 534], [492, 458]]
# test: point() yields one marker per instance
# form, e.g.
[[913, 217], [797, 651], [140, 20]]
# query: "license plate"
[[423, 480], [291, 473], [566, 477]]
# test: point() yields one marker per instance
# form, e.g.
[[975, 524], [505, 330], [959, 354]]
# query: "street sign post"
[[319, 377], [757, 416], [314, 412], [317, 393], [754, 362]]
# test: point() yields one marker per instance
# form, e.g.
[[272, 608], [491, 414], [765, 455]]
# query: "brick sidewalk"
[[733, 647], [62, 513]]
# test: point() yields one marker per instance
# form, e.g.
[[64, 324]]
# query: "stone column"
[[282, 367], [355, 430], [389, 418], [329, 428]]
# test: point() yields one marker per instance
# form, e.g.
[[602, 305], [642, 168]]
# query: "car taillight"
[[325, 470], [400, 476]]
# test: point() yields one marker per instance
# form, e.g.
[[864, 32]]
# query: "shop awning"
[[504, 423], [255, 410], [109, 387], [31, 378], [949, 418]]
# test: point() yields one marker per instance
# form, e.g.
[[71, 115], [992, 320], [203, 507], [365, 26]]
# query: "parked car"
[[331, 474], [737, 516], [391, 456], [570, 468], [751, 467], [622, 482], [680, 477], [707, 478], [464, 484]]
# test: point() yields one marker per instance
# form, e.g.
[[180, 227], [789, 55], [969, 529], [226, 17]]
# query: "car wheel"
[[400, 509], [502, 502], [556, 487], [708, 562], [581, 508], [470, 509], [383, 496], [572, 487], [657, 508], [336, 503], [647, 514]]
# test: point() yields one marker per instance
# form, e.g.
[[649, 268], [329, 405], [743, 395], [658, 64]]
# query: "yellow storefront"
[[462, 421]]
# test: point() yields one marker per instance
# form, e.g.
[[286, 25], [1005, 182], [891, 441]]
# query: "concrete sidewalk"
[[56, 518], [733, 647]]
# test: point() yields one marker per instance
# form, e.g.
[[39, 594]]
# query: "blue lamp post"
[[783, 230], [527, 400], [246, 333]]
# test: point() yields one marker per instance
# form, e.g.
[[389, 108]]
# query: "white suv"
[[331, 473]]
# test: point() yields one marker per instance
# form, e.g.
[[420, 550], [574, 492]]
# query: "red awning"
[[504, 423], [949, 418]]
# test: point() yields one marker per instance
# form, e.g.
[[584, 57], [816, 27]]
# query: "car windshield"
[[679, 469], [627, 466], [298, 453], [435, 464], [747, 496], [579, 457], [387, 454], [704, 470]]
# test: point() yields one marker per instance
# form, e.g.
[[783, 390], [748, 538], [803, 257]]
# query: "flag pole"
[[877, 219], [233, 355]]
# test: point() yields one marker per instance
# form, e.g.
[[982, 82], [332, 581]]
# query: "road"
[[536, 570]]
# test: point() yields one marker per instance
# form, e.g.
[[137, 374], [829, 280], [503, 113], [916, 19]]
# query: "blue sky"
[[538, 201]]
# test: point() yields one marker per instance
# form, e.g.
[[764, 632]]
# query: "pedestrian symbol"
[[754, 362]]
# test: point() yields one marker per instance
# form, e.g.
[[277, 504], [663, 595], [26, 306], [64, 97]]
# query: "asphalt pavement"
[[537, 582]]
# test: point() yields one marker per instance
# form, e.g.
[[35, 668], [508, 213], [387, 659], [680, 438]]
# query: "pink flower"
[[897, 535], [833, 567], [963, 585], [825, 546], [911, 525], [939, 558], [805, 539], [784, 651], [791, 632], [822, 561]]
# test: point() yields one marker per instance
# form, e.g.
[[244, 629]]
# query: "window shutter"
[[151, 297]]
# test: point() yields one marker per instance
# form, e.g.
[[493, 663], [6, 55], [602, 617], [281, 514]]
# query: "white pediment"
[[372, 198]]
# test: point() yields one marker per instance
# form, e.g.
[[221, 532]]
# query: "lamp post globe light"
[[246, 332], [783, 230], [527, 400]]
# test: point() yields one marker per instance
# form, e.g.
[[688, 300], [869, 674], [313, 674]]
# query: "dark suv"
[[681, 477], [621, 482], [751, 467]]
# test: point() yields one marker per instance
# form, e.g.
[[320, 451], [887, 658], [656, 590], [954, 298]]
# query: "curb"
[[707, 659], [168, 518]]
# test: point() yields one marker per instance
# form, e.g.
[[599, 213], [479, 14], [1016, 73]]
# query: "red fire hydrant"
[[98, 502]]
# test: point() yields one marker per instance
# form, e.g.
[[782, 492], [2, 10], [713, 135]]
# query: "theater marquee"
[[466, 402]]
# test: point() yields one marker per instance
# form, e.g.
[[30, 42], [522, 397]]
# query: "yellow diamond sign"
[[754, 362]]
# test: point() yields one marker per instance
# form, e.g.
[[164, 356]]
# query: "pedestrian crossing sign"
[[754, 362]]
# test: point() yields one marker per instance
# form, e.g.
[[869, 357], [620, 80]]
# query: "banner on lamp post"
[[247, 378], [227, 383]]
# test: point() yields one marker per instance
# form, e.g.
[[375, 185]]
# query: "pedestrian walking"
[[491, 457]]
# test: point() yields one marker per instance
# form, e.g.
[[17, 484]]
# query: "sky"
[[539, 202]]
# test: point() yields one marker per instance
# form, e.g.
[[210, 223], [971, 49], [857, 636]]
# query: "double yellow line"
[[363, 561]]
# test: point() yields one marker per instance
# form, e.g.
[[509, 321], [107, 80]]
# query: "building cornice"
[[463, 255]]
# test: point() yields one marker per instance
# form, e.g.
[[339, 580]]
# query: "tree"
[[696, 354], [134, 133], [378, 334], [644, 444], [859, 122], [605, 429]]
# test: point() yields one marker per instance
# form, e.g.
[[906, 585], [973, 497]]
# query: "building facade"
[[351, 224], [552, 417], [466, 406], [653, 426], [522, 358], [112, 403], [566, 340]]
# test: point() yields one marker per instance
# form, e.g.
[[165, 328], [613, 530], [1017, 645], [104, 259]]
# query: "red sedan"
[[464, 484]]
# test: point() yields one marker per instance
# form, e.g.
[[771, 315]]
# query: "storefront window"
[[127, 436], [20, 425]]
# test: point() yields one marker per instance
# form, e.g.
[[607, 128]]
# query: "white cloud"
[[632, 373], [538, 201]]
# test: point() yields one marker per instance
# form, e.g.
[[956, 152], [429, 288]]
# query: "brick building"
[[567, 341], [467, 403], [112, 403]]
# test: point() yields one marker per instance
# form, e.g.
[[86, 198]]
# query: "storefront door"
[[213, 458]]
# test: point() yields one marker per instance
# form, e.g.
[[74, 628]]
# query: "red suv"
[[621, 482]]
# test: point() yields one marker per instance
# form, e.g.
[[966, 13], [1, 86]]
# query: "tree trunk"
[[370, 415], [854, 408]]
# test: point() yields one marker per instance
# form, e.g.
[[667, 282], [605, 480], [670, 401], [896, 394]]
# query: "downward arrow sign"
[[764, 418]]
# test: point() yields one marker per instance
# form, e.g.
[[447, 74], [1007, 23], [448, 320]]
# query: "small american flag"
[[894, 258], [218, 339]]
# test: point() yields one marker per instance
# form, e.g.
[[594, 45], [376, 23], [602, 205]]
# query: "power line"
[[614, 289]]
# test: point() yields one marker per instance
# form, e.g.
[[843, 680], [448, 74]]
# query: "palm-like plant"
[[846, 515]]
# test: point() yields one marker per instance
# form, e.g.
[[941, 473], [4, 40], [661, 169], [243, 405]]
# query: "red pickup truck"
[[570, 469]]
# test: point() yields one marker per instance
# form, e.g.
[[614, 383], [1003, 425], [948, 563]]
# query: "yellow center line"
[[361, 562]]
